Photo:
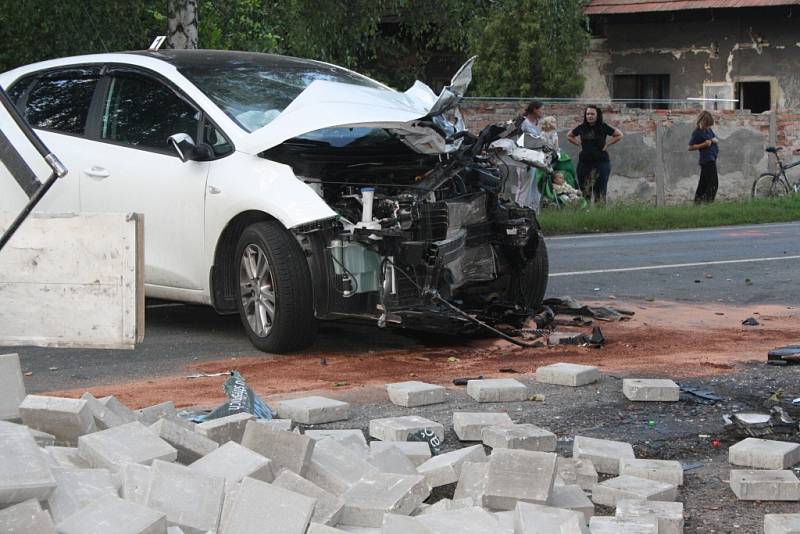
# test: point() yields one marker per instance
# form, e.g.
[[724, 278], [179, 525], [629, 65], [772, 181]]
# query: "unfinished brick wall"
[[652, 161]]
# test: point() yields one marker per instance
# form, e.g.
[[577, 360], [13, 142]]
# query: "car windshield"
[[254, 93]]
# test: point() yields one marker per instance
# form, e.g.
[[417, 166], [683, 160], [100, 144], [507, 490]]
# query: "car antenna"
[[157, 42]]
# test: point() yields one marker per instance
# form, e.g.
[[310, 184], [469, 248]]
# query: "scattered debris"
[[241, 399], [703, 396], [784, 355], [206, 375], [464, 381], [508, 370], [453, 359], [570, 306], [427, 435], [759, 425], [537, 397], [750, 321]]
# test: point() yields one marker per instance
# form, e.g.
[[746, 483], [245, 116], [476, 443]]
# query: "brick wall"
[[654, 152]]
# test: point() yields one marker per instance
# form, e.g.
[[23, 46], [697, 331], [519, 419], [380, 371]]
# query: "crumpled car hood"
[[326, 104]]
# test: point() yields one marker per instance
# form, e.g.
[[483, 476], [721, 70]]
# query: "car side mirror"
[[187, 150]]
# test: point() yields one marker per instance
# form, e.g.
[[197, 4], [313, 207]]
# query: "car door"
[[133, 168], [56, 103]]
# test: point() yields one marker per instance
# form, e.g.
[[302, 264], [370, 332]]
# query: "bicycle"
[[771, 184]]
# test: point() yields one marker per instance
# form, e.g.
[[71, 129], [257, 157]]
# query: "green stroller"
[[544, 181]]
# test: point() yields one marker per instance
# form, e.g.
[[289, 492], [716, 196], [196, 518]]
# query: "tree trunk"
[[182, 24]]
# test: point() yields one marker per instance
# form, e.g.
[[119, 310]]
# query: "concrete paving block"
[[610, 491], [129, 443], [151, 414], [276, 424], [469, 425], [604, 454], [444, 505], [392, 460], [24, 470], [506, 520], [119, 408], [532, 518], [414, 393], [112, 514], [417, 451], [769, 485], [328, 510], [190, 445], [777, 523], [571, 497], [42, 439], [286, 449], [340, 434], [313, 410], [616, 525], [104, 416], [668, 515], [348, 438], [67, 457], [764, 454], [377, 494], [77, 488], [234, 462], [577, 471], [225, 429], [360, 530], [400, 524], [190, 500], [66, 419], [336, 468], [472, 520], [12, 386], [668, 471], [650, 390], [472, 482], [398, 428], [26, 517], [318, 528], [446, 468], [519, 436], [518, 475], [175, 530], [135, 480], [497, 390], [567, 374], [260, 507]]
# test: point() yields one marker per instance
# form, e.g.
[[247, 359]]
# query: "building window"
[[649, 91], [755, 96]]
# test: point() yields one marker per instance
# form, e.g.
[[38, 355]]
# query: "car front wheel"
[[275, 293]]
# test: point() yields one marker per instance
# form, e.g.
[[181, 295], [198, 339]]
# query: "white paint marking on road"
[[682, 230], [674, 266], [170, 305]]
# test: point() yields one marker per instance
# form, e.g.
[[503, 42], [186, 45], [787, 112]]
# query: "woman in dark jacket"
[[705, 140], [594, 137]]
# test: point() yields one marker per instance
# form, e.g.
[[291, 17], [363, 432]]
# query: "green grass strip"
[[624, 217]]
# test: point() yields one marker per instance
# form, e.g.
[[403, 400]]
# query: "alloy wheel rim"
[[257, 290]]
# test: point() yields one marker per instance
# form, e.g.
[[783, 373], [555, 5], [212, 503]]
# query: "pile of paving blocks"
[[92, 466]]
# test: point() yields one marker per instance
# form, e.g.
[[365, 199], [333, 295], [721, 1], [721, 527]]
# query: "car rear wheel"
[[275, 297]]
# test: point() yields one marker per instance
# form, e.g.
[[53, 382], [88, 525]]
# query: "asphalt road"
[[741, 265]]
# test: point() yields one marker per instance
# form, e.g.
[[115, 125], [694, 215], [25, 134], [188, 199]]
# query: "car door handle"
[[97, 172]]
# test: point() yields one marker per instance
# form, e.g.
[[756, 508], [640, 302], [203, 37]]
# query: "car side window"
[[214, 138], [17, 88], [60, 101], [143, 112]]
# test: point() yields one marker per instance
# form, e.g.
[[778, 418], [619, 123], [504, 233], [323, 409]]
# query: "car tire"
[[529, 285], [275, 298]]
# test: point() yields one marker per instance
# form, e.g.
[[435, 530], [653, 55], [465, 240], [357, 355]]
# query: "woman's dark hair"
[[599, 114], [533, 106]]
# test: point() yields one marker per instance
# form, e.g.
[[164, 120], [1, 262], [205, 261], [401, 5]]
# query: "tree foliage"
[[530, 48], [526, 47]]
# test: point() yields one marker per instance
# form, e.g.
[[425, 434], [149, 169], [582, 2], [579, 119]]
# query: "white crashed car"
[[288, 190]]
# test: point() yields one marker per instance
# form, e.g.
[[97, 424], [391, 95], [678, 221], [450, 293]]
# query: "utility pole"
[[182, 24]]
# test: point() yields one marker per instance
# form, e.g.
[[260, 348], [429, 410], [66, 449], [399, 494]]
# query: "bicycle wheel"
[[769, 185]]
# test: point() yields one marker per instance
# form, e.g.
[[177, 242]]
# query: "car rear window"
[[60, 101]]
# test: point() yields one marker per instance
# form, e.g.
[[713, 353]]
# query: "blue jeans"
[[600, 187]]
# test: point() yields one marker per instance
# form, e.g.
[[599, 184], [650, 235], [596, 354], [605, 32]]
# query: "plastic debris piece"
[[428, 436], [750, 321], [241, 399], [463, 381]]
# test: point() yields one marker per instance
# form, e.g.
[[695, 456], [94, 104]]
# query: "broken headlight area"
[[427, 242]]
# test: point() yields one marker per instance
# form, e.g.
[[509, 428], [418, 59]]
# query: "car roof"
[[204, 57]]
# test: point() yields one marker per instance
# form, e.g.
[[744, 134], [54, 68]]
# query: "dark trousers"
[[600, 186], [707, 186]]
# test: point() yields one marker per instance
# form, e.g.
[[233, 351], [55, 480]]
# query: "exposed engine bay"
[[422, 241]]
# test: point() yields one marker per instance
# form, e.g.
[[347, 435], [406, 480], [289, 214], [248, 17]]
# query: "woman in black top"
[[593, 138]]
